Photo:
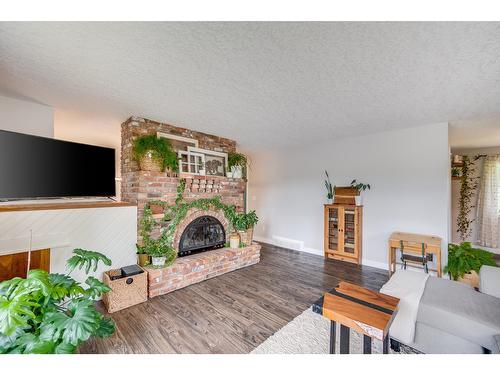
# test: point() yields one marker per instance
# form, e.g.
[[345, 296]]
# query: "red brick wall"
[[136, 126], [195, 268], [139, 187]]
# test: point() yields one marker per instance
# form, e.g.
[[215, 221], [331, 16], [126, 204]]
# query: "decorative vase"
[[158, 261], [234, 241], [471, 278], [237, 171], [359, 200], [143, 259], [201, 172], [329, 200], [147, 163], [229, 174]]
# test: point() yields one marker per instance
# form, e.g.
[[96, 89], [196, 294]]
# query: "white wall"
[[28, 117], [109, 230], [407, 169]]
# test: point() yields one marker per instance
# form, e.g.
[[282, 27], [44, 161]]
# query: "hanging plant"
[[467, 189]]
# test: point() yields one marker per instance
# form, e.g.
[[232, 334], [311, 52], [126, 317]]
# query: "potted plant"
[[162, 253], [142, 256], [244, 224], [53, 313], [464, 262], [236, 164], [359, 187], [330, 190], [155, 154]]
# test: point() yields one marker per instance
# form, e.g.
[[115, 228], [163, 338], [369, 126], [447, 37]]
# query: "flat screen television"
[[38, 167]]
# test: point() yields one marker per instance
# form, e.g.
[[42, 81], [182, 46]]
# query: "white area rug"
[[309, 333]]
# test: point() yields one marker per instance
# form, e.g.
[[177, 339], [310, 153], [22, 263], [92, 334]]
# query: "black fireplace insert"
[[202, 234]]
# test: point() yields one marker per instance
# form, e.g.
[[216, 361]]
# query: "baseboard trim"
[[310, 250]]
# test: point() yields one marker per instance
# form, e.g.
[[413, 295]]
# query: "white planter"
[[329, 200], [201, 172], [229, 174], [234, 242], [359, 200], [237, 171], [158, 261]]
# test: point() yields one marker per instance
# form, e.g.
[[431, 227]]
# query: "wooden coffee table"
[[354, 307]]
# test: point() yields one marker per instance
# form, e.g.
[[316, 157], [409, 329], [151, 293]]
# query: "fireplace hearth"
[[202, 234]]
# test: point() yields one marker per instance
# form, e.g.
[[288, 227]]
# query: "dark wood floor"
[[235, 312]]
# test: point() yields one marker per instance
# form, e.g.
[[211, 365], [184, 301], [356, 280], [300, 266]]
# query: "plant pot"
[[471, 278], [201, 172], [358, 200], [158, 261], [142, 259], [246, 236], [237, 171], [234, 241], [329, 200], [147, 163], [229, 174]]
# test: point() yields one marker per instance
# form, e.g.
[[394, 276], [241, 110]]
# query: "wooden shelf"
[[456, 178], [60, 206]]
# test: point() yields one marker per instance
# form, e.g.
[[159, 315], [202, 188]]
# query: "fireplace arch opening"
[[202, 234]]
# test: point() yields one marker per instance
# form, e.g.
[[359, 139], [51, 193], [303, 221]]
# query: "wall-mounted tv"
[[37, 167]]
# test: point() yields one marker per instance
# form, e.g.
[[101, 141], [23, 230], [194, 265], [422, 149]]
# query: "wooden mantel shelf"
[[60, 206]]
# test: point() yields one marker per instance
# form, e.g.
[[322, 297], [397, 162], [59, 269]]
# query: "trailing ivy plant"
[[53, 313], [160, 148], [174, 214], [467, 189]]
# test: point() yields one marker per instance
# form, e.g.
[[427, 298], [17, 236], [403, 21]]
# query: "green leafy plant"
[[359, 186], [140, 249], [53, 313], [330, 190], [467, 189], [160, 150], [244, 221], [235, 159], [464, 258]]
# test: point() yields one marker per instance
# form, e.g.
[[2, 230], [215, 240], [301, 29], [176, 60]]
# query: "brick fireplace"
[[196, 263]]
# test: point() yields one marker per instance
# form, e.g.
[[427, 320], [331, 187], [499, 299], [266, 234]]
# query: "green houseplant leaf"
[[464, 258], [86, 259], [52, 313]]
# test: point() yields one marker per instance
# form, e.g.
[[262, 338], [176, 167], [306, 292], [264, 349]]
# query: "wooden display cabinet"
[[343, 232]]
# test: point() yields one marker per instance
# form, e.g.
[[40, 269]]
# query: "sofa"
[[453, 317]]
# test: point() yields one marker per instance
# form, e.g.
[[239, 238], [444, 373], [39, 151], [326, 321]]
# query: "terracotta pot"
[[143, 259], [147, 163], [471, 278]]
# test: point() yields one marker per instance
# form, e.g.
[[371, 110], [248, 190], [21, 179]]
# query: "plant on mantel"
[[174, 214], [52, 313], [236, 165], [153, 152]]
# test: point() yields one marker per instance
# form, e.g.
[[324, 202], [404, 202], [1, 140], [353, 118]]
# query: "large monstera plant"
[[53, 313]]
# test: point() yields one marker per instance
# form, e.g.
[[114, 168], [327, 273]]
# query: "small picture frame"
[[215, 162]]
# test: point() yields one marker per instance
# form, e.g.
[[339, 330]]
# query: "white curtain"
[[489, 202]]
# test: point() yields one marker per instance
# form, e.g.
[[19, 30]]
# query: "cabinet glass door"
[[333, 228], [349, 231]]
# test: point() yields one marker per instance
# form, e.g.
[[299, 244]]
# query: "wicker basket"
[[147, 163], [246, 236], [125, 292]]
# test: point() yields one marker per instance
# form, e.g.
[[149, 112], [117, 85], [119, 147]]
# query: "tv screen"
[[37, 167]]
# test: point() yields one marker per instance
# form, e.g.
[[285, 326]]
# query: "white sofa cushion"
[[489, 280]]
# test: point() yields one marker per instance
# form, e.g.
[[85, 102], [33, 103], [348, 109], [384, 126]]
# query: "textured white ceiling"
[[263, 84]]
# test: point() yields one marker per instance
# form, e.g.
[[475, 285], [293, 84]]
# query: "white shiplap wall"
[[110, 230]]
